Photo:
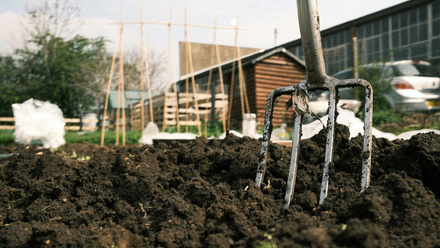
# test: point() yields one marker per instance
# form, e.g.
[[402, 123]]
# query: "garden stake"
[[317, 79]]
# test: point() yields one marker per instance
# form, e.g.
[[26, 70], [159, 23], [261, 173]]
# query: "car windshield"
[[415, 69]]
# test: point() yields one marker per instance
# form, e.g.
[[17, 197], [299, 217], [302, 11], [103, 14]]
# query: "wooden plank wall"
[[275, 72], [262, 78]]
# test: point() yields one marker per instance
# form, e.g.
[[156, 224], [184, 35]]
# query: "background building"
[[410, 30], [263, 72]]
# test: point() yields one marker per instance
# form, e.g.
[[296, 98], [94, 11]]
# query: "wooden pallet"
[[187, 105], [164, 111]]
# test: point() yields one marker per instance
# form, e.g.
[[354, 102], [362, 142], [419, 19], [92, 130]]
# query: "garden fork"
[[316, 79]]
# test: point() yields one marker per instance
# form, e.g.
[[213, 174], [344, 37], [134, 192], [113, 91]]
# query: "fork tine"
[[329, 144], [317, 79], [267, 130], [366, 152], [331, 84], [293, 162]]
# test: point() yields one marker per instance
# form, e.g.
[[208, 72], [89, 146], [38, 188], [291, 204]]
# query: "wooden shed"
[[263, 72]]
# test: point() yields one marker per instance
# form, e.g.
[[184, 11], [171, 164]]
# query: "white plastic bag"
[[38, 120], [149, 133], [249, 125]]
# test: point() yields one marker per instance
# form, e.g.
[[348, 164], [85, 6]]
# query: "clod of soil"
[[201, 193]]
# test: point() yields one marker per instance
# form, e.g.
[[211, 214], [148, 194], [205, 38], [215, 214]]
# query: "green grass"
[[7, 137], [131, 137], [384, 120], [400, 122]]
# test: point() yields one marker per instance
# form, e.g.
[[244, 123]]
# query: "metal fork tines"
[[331, 84], [316, 79]]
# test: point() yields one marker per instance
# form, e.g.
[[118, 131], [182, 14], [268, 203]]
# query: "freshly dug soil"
[[201, 193]]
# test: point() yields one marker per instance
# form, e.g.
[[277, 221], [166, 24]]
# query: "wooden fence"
[[72, 124], [168, 111], [6, 123]]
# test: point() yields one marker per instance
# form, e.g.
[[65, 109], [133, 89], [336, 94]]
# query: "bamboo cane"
[[355, 57], [118, 110], [177, 108], [220, 73], [208, 88], [170, 54], [243, 83], [227, 113], [147, 73], [142, 72], [107, 95], [231, 94], [121, 82], [243, 92], [170, 70], [121, 28], [193, 83], [178, 24], [186, 84], [169, 74]]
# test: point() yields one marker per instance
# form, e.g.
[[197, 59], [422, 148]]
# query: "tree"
[[58, 66], [52, 67], [156, 66], [54, 18], [68, 74], [63, 72], [9, 82]]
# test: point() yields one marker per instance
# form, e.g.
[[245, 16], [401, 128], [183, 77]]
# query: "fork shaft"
[[308, 18]]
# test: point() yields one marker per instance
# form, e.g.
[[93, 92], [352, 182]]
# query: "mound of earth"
[[201, 193]]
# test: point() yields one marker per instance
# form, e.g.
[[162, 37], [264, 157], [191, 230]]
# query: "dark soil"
[[201, 193]]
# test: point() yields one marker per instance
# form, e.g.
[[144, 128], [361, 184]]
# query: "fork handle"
[[311, 41]]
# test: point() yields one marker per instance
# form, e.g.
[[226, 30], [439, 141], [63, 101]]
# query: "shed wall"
[[262, 78], [271, 73]]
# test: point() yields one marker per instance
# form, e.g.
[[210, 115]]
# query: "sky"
[[259, 17]]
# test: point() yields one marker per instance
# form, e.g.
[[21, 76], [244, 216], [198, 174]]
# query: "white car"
[[415, 85], [319, 101]]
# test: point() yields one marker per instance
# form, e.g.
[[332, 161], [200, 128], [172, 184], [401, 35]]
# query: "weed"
[[267, 244], [79, 157], [381, 117], [343, 227]]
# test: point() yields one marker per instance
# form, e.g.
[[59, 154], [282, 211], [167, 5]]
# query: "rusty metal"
[[317, 79]]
